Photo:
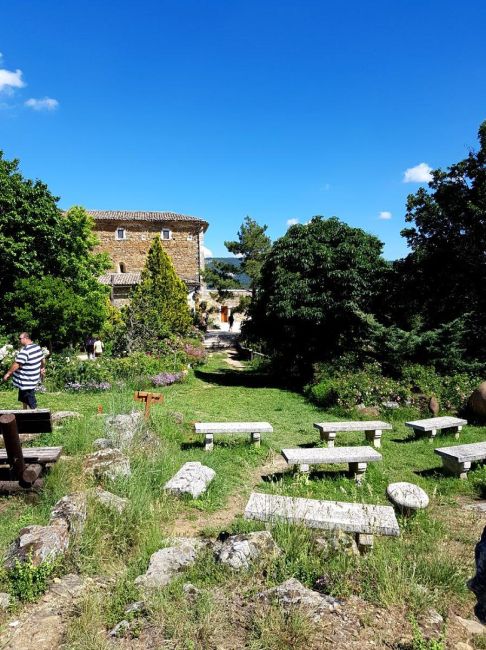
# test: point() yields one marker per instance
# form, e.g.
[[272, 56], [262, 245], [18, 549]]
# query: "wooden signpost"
[[149, 399]]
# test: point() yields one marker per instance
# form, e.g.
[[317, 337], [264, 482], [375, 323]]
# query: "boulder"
[[72, 510], [192, 479], [107, 463], [292, 593], [58, 416], [111, 501], [368, 411], [239, 551], [477, 401], [121, 429], [471, 626], [336, 542], [167, 562], [407, 497], [434, 406], [478, 584], [102, 443], [4, 601], [39, 543]]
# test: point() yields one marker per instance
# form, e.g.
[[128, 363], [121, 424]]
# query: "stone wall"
[[183, 248]]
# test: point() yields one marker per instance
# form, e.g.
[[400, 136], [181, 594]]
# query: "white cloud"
[[292, 222], [46, 104], [207, 252], [418, 174], [10, 80], [385, 215]]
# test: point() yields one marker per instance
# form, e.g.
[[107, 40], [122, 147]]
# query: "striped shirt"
[[30, 358]]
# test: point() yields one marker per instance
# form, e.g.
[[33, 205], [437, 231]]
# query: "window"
[[166, 234], [122, 267], [121, 233]]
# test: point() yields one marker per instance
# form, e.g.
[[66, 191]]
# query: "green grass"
[[418, 568]]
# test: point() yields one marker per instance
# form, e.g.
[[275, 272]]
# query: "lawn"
[[427, 566]]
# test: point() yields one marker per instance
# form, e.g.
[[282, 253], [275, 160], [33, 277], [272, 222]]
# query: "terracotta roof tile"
[[140, 215]]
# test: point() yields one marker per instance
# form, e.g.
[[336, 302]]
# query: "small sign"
[[149, 399]]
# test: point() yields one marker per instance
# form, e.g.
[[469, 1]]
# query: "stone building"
[[126, 236]]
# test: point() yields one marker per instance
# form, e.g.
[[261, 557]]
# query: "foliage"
[[220, 277], [252, 245], [38, 240], [167, 378], [27, 581], [158, 308], [443, 278], [318, 283]]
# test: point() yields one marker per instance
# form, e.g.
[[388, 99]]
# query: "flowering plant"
[[167, 378], [79, 386]]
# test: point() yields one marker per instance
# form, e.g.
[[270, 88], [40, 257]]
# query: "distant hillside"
[[242, 278]]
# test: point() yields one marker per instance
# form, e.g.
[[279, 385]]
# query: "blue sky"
[[280, 110]]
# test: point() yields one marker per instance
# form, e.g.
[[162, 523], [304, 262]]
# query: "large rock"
[[72, 510], [292, 593], [434, 406], [123, 428], [192, 478], [407, 497], [239, 551], [103, 443], [477, 401], [478, 584], [167, 562], [39, 544], [109, 500], [58, 416], [107, 463]]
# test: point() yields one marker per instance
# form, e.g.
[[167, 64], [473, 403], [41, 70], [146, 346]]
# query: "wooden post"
[[13, 447], [148, 399]]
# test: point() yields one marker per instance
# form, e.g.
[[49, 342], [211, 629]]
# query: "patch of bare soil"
[[233, 361]]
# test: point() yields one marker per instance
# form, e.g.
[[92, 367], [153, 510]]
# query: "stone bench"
[[356, 457], [362, 519], [432, 425], [208, 429], [458, 459], [372, 429]]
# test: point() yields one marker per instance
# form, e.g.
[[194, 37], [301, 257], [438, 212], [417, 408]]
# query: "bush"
[[27, 581]]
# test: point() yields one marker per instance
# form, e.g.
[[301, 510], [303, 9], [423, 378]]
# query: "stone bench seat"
[[208, 429], [362, 519], [433, 425], [356, 457], [373, 430], [458, 459]]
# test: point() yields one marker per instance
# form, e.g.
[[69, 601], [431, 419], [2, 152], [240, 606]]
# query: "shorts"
[[28, 397]]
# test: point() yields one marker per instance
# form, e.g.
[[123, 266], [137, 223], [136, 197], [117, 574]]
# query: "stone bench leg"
[[357, 470], [329, 437], [255, 439], [453, 466], [364, 542], [432, 434], [208, 442], [456, 431], [303, 468], [374, 437]]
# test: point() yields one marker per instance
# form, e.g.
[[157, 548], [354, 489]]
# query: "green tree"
[[318, 283], [158, 308], [252, 246], [443, 278], [221, 277]]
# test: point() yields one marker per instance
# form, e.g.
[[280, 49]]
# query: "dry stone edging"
[[39, 544], [167, 562], [108, 499], [102, 443], [107, 463], [58, 416], [239, 551], [193, 478], [72, 510], [123, 428]]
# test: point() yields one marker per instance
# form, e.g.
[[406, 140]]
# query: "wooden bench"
[[362, 519], [458, 459], [208, 429], [19, 470], [433, 425], [372, 429], [357, 458]]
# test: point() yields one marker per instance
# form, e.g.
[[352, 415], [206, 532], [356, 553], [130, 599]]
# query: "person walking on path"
[[89, 345], [231, 320], [26, 370], [98, 348]]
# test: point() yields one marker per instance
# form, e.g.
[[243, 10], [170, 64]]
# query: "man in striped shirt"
[[26, 371]]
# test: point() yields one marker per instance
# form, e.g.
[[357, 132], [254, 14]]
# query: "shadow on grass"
[[402, 441], [433, 472], [245, 379], [317, 475]]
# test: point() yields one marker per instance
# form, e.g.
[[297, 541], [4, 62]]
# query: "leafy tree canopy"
[[317, 284]]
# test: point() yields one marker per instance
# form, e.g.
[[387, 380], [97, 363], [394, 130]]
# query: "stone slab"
[[429, 424], [318, 456], [464, 453], [371, 425], [193, 478], [233, 427], [326, 515]]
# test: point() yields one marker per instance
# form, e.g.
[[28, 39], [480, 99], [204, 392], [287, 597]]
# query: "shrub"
[[27, 581], [167, 378]]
